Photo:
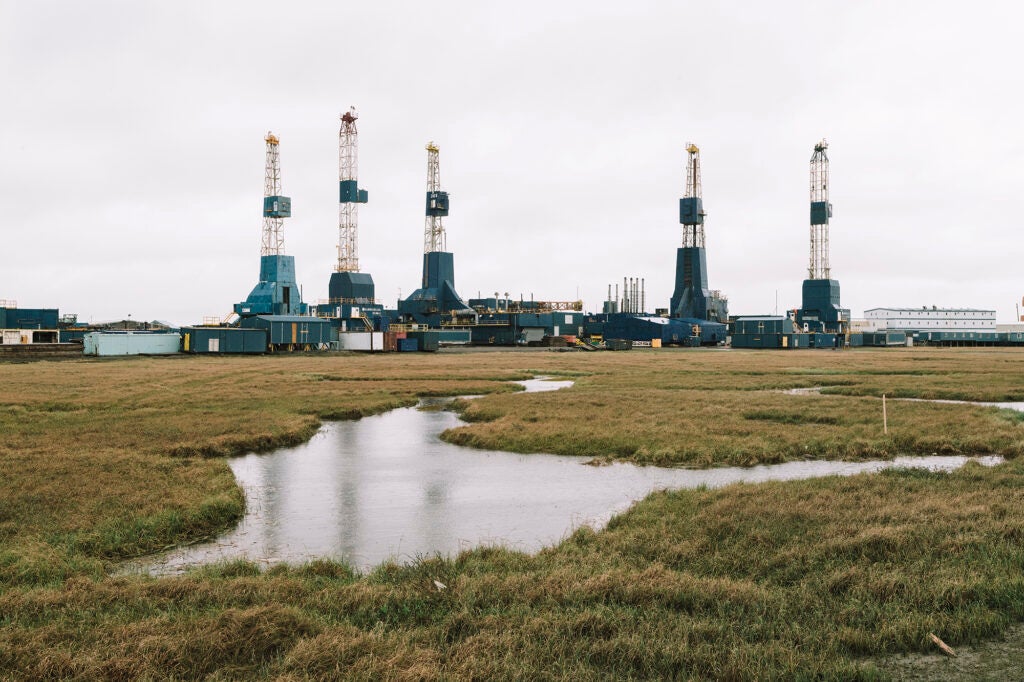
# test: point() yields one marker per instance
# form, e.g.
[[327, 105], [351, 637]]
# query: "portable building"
[[362, 341], [762, 324], [131, 343], [885, 338], [292, 332], [223, 340], [760, 340], [428, 341]]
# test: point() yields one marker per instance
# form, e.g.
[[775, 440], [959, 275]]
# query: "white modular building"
[[931, 319]]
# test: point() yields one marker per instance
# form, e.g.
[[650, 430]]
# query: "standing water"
[[386, 487]]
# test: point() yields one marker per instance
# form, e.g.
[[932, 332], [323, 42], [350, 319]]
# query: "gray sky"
[[131, 136]]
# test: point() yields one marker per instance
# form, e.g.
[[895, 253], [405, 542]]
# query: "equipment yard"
[[838, 577]]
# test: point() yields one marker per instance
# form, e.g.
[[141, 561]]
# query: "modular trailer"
[[291, 332], [361, 341], [223, 340], [886, 338], [131, 343]]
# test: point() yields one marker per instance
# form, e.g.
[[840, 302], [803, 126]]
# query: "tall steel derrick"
[[437, 204], [350, 197], [275, 207], [821, 211], [691, 208]]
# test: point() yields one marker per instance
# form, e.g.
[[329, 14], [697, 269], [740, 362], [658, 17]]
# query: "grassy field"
[[109, 459], [714, 408]]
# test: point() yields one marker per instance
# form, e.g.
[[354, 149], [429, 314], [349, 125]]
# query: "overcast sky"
[[131, 136]]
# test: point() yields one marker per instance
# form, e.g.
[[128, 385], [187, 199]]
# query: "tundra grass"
[[108, 459], [782, 580], [728, 408]]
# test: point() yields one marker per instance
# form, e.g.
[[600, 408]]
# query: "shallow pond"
[[386, 487]]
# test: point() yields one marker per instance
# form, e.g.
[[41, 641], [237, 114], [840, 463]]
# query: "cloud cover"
[[132, 147]]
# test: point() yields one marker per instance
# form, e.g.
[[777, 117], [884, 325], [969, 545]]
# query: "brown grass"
[[105, 459], [713, 408]]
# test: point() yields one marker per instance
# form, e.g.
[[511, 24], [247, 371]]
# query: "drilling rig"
[[277, 292], [821, 310], [436, 301], [692, 299], [348, 286]]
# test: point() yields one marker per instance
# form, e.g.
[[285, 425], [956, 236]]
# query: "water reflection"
[[385, 487]]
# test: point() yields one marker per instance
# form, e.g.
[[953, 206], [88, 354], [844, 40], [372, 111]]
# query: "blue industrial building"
[[506, 323], [277, 292], [692, 299], [223, 340], [668, 331], [774, 331], [291, 332], [436, 300], [12, 317]]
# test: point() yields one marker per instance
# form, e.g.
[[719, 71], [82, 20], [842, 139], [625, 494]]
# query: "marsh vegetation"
[[104, 460]]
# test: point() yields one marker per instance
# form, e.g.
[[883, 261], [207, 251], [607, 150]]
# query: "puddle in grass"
[[1006, 406], [386, 487], [817, 390]]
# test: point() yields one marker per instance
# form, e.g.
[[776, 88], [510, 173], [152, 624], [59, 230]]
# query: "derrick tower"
[[349, 194], [348, 285], [277, 292], [821, 211], [438, 263], [691, 206], [437, 203], [821, 310], [275, 207], [436, 296], [692, 299]]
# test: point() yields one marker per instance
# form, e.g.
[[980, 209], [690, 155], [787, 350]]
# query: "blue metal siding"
[[307, 331], [762, 325], [348, 191], [28, 318], [821, 211], [228, 340], [437, 203], [691, 211], [825, 340], [428, 341], [277, 207]]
